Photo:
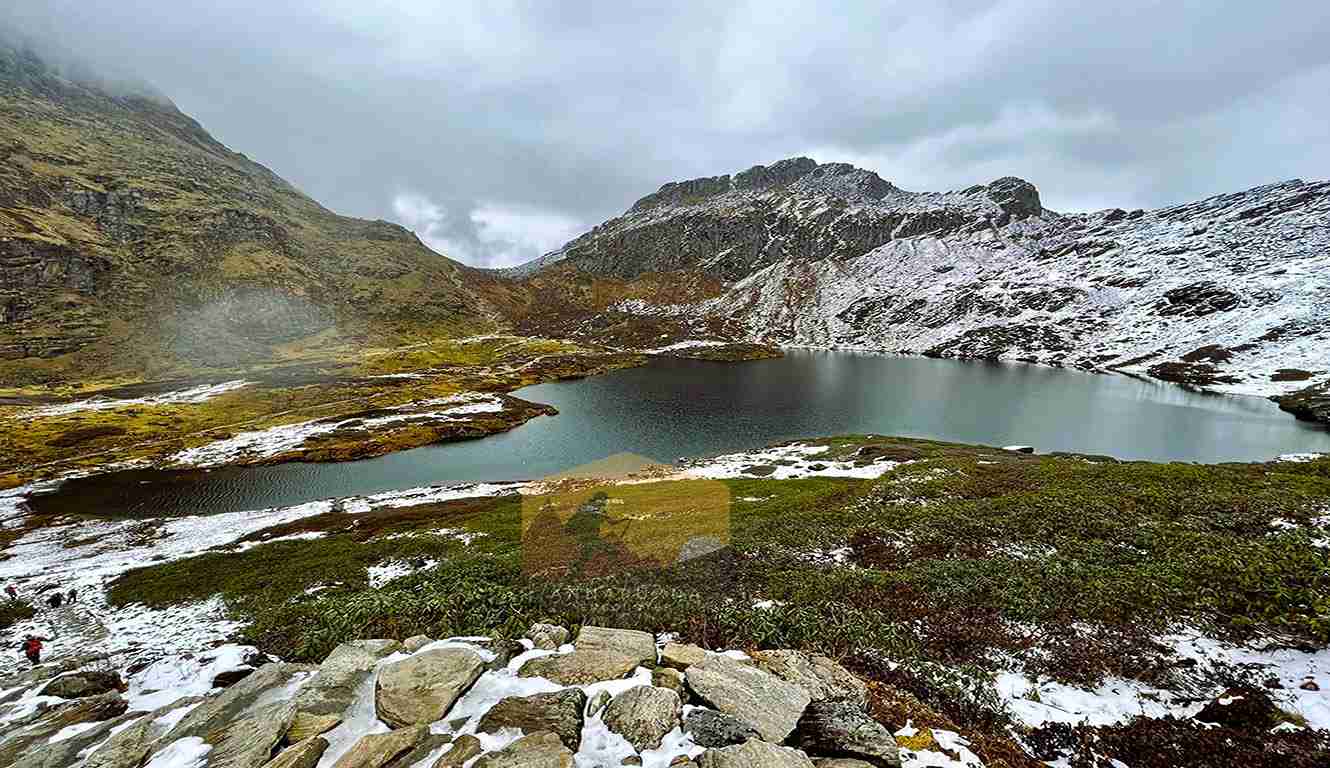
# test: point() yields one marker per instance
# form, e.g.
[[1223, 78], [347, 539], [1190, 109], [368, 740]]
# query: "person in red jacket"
[[32, 648]]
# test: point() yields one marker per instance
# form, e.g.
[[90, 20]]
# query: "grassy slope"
[[150, 250]]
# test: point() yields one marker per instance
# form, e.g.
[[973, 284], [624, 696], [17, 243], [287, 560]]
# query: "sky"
[[499, 130]]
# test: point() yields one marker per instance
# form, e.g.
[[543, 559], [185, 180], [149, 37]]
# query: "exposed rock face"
[[85, 683], [42, 725], [717, 729], [130, 747], [843, 729], [822, 256], [535, 750], [421, 689], [303, 754], [249, 741], [643, 715], [772, 705], [235, 702], [820, 677], [559, 712], [378, 750], [754, 754]]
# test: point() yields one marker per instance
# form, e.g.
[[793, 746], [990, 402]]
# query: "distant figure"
[[56, 600], [72, 597], [32, 648], [13, 593]]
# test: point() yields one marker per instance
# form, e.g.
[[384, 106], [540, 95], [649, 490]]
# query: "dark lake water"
[[675, 408]]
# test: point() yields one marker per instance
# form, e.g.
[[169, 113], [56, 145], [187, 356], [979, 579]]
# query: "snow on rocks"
[[198, 394], [785, 462]]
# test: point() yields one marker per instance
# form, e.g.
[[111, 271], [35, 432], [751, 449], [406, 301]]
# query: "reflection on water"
[[675, 408]]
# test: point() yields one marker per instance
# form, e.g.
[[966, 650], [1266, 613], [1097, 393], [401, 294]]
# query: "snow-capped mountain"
[[1228, 293]]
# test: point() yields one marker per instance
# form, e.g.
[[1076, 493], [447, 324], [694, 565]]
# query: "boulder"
[[547, 637], [643, 715], [236, 702], [670, 679], [249, 741], [753, 695], [559, 712], [27, 734], [820, 677], [464, 748], [843, 729], [681, 656], [627, 642], [302, 754], [305, 725], [580, 667], [754, 754], [89, 682], [536, 750], [710, 728], [421, 689], [378, 749], [415, 643]]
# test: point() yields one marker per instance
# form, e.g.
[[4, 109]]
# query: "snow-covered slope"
[[1229, 293]]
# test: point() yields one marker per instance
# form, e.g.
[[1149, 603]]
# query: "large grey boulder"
[[643, 715], [421, 689], [88, 682], [547, 637], [249, 741], [628, 642], [302, 754], [756, 696], [379, 749], [819, 676], [559, 712], [536, 750], [580, 667], [843, 729], [754, 754], [710, 728]]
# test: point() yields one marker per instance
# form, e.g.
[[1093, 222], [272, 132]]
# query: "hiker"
[[73, 596], [32, 648], [13, 593], [55, 600]]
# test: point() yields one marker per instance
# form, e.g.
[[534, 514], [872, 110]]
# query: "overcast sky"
[[498, 130]]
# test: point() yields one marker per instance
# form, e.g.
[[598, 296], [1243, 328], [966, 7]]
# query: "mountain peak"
[[839, 179]]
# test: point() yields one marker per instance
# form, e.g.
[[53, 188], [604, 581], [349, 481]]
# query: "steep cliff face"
[[1228, 293], [132, 241]]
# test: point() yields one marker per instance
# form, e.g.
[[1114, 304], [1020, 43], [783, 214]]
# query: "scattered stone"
[[820, 677], [86, 683], [303, 754], [754, 695], [559, 712], [580, 667], [536, 750], [627, 642], [754, 754], [643, 715], [422, 688], [249, 741], [464, 748], [844, 729], [547, 637], [306, 725], [681, 656], [670, 679], [415, 643], [710, 728], [378, 749], [598, 702]]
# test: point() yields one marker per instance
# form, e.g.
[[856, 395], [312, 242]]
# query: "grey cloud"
[[518, 121]]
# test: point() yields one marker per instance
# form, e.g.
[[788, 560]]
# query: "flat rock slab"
[[681, 656], [377, 750], [536, 750], [234, 703], [843, 729], [643, 715], [559, 712], [710, 728], [753, 695], [302, 754], [581, 667], [822, 678], [754, 754], [421, 689], [627, 642]]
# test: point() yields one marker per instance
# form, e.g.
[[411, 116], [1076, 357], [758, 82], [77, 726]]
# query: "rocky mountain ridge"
[[1227, 293]]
